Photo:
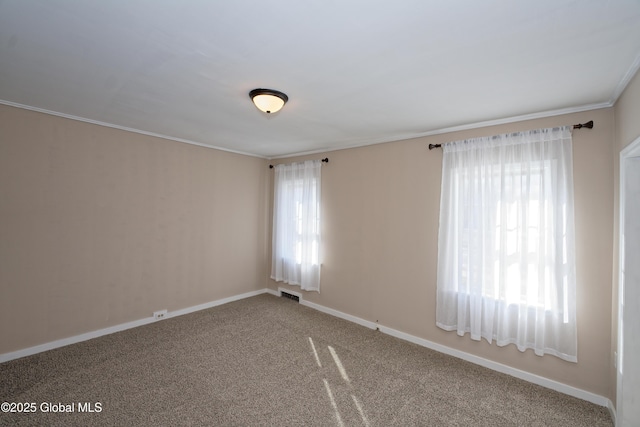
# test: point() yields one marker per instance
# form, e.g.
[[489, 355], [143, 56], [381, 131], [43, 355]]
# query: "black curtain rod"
[[588, 125], [325, 160]]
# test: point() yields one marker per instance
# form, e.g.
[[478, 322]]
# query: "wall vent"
[[296, 298]]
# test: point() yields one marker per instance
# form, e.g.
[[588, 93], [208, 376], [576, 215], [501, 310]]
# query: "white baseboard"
[[216, 303], [612, 411], [5, 357], [336, 313], [276, 293], [324, 309], [532, 378], [499, 367]]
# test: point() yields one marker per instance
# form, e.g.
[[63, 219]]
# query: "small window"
[[296, 225]]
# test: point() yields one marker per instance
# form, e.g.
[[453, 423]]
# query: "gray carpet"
[[252, 362]]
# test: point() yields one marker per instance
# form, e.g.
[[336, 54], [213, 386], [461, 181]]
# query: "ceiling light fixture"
[[268, 100]]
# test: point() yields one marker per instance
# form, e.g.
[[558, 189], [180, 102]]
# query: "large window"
[[296, 225], [506, 251]]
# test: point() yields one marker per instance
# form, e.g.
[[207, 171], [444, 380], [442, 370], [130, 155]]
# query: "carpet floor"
[[268, 361]]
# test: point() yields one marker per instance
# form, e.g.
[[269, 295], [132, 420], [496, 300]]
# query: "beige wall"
[[99, 226], [627, 129], [627, 114], [380, 228]]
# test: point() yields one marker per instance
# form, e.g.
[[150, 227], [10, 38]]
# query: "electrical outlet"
[[160, 314]]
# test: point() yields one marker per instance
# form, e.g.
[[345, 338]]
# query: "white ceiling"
[[356, 72]]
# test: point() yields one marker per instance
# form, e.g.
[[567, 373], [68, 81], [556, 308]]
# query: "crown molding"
[[124, 128], [477, 125], [622, 84], [358, 144]]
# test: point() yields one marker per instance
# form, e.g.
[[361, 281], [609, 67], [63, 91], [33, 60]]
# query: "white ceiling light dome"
[[268, 100]]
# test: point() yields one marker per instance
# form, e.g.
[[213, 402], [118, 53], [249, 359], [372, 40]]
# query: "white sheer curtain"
[[506, 247], [296, 225]]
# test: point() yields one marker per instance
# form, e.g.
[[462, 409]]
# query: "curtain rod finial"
[[588, 125]]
